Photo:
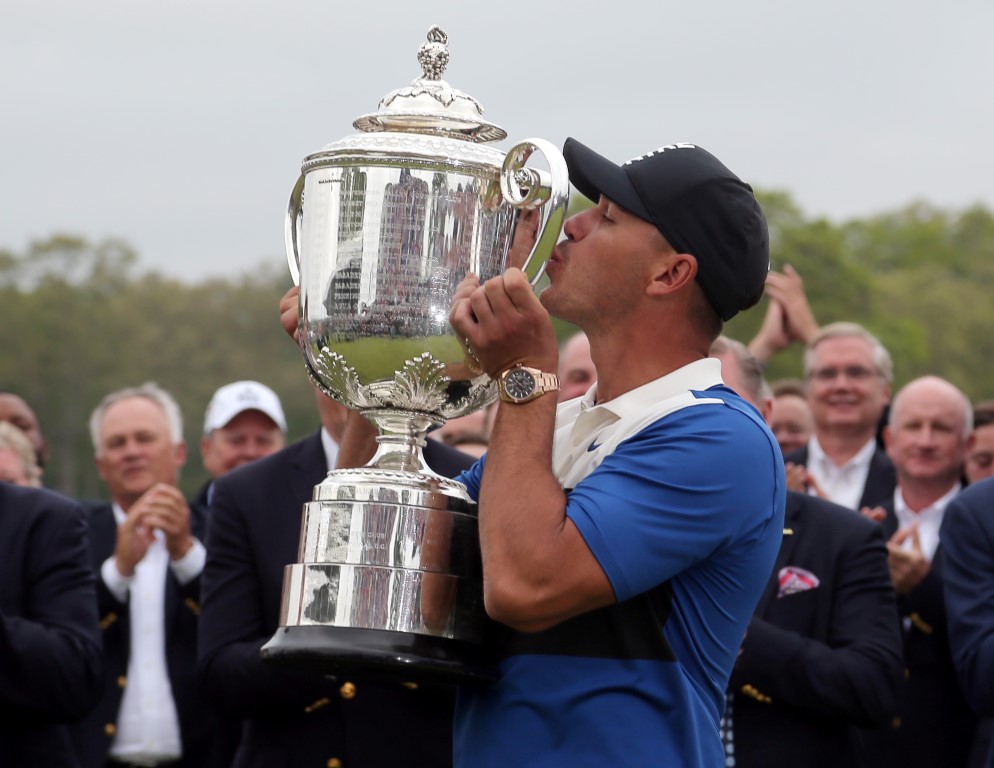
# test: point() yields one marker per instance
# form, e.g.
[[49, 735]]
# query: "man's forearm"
[[537, 569]]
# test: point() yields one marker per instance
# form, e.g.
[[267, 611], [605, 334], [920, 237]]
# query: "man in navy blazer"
[[297, 718], [146, 549], [822, 652], [49, 638], [968, 583], [926, 437]]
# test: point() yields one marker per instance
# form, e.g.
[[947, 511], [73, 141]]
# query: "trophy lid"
[[429, 105]]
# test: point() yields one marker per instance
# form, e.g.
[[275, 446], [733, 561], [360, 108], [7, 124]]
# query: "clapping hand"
[[162, 507]]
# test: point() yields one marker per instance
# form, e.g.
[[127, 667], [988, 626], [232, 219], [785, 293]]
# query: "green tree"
[[82, 320]]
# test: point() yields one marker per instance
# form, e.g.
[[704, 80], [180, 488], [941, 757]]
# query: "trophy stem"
[[401, 438]]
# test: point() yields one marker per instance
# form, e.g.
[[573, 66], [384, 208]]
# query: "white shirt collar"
[[863, 455], [699, 375], [586, 432]]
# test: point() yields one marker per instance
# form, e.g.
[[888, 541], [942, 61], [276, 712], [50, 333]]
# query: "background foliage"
[[81, 319]]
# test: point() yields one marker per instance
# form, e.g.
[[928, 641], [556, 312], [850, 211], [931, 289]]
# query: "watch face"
[[519, 384]]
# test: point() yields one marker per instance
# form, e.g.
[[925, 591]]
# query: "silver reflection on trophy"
[[381, 228]]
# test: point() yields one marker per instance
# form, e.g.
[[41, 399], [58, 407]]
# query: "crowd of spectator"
[[873, 643]]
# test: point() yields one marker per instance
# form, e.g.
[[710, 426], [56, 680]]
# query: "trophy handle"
[[532, 188], [294, 213]]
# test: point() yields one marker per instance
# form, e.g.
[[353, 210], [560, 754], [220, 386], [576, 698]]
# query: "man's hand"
[[876, 514], [358, 442], [504, 323], [772, 336], [907, 567], [787, 290], [525, 235], [163, 508], [133, 540], [788, 315], [802, 481], [288, 313]]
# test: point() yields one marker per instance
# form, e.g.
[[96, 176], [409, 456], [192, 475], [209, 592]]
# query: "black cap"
[[700, 206]]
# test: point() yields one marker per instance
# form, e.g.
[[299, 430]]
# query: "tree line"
[[82, 319]]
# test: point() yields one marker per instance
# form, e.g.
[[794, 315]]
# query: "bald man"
[[926, 439]]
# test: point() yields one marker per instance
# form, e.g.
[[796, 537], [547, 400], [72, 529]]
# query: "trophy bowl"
[[381, 228]]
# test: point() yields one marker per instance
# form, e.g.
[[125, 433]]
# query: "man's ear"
[[766, 408], [672, 273], [101, 473]]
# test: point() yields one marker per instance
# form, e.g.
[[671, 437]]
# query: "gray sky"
[[180, 126]]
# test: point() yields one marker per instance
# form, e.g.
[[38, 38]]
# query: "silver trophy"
[[381, 228]]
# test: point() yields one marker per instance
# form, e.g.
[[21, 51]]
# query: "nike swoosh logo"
[[593, 446]]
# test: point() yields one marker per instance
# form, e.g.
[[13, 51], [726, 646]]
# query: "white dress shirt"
[[147, 724], [842, 484], [330, 448]]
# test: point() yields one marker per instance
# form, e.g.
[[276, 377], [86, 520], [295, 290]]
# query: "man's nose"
[[569, 227], [924, 437], [575, 226]]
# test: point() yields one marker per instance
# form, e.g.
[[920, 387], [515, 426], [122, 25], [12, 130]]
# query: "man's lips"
[[843, 402]]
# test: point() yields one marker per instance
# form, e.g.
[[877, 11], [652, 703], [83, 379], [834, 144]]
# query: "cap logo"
[[248, 396], [664, 148]]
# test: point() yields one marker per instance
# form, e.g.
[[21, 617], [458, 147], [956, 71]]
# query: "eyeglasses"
[[851, 372]]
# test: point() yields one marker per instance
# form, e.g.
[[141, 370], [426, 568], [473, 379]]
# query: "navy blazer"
[[968, 585], [934, 726], [201, 733], [820, 659], [881, 479], [49, 638], [298, 718]]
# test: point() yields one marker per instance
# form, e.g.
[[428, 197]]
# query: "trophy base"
[[382, 654]]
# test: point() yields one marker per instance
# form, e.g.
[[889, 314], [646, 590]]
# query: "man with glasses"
[[848, 375]]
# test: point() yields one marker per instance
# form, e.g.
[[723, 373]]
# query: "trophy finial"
[[429, 105], [433, 56]]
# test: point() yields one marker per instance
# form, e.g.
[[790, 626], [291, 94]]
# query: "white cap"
[[232, 399]]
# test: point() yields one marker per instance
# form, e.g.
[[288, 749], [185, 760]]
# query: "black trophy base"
[[380, 654]]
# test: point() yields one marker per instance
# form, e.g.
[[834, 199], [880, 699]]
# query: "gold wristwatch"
[[519, 384]]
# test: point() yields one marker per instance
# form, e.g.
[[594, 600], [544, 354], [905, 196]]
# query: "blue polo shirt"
[[678, 489]]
